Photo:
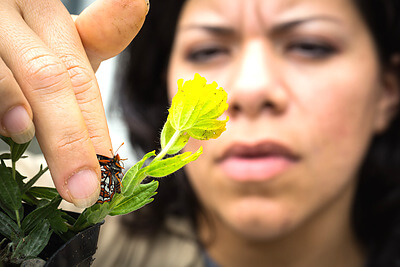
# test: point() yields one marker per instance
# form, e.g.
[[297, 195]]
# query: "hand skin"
[[48, 85]]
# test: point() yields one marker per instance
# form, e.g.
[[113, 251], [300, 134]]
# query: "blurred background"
[[76, 6], [105, 77]]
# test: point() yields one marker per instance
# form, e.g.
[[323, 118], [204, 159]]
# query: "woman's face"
[[305, 97]]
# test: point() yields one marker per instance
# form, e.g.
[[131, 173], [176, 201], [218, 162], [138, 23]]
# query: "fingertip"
[[83, 188], [18, 124], [107, 27], [24, 137]]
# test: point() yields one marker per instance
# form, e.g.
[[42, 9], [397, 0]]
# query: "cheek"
[[338, 106], [344, 117], [338, 124]]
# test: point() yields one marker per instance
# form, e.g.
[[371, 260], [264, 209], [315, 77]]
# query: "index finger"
[[62, 129]]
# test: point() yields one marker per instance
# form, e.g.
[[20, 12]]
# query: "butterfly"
[[111, 177]]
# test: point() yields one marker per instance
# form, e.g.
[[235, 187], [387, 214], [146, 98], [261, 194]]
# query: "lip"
[[256, 162]]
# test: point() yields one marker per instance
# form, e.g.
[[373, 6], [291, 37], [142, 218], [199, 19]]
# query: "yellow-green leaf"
[[167, 133], [207, 129], [167, 166], [133, 176], [141, 196], [196, 103]]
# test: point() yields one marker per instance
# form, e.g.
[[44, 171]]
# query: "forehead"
[[237, 12]]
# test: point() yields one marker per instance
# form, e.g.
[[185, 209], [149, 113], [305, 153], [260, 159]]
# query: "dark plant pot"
[[78, 251]]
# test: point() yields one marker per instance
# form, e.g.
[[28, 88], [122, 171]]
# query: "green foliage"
[[42, 192], [140, 197], [194, 113], [168, 133], [10, 195], [167, 166], [24, 237], [17, 150], [135, 175], [9, 229], [34, 243]]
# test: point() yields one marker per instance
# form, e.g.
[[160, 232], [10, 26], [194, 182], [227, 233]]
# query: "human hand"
[[47, 83]]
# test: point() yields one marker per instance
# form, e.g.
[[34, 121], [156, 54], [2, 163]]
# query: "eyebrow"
[[276, 29], [286, 26], [219, 30]]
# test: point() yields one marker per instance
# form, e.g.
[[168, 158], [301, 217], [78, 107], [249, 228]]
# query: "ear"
[[388, 105]]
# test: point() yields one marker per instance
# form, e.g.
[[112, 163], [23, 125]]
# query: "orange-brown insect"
[[111, 177]]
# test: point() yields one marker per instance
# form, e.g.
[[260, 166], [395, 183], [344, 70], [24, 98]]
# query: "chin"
[[258, 219]]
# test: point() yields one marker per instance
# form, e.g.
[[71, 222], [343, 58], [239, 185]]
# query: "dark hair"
[[143, 91]]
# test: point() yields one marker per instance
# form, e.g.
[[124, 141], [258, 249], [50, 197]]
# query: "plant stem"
[[18, 218], [171, 142], [13, 172]]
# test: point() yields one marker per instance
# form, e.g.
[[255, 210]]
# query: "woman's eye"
[[206, 54], [315, 50]]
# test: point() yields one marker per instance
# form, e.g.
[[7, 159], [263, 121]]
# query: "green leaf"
[[11, 213], [141, 196], [215, 102], [49, 211], [91, 216], [17, 150], [70, 220], [186, 104], [9, 229], [167, 133], [35, 242], [195, 102], [133, 177], [98, 213], [6, 140], [207, 129], [58, 222], [34, 179], [10, 194], [19, 179], [39, 214], [5, 156], [43, 192], [167, 166], [29, 199]]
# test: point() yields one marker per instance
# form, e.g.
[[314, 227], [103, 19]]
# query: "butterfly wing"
[[111, 177]]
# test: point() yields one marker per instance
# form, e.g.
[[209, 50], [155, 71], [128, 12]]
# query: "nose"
[[256, 85]]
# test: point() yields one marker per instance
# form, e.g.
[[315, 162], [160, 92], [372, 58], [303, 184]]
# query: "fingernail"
[[83, 188], [19, 125], [148, 6]]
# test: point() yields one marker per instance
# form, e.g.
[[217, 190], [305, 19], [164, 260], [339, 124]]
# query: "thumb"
[[106, 27]]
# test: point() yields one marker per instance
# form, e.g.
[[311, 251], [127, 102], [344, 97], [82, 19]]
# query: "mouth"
[[259, 162]]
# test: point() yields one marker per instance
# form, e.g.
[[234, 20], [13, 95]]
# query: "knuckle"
[[100, 140], [81, 79], [46, 72], [87, 102], [72, 140]]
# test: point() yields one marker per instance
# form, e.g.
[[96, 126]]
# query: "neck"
[[324, 240]]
